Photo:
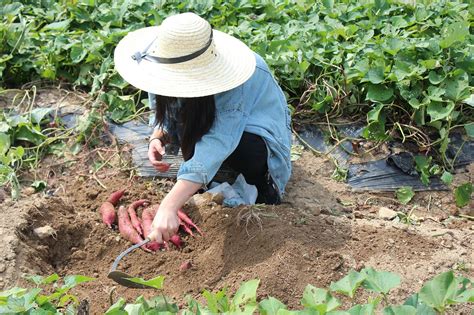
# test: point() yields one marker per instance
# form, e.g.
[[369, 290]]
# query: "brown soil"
[[320, 232]]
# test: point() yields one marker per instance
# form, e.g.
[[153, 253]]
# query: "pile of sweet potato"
[[134, 228]]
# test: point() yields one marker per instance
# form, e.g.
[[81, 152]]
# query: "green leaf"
[[4, 127], [457, 86], [469, 101], [466, 296], [439, 110], [78, 53], [366, 309], [421, 308], [4, 143], [447, 178], [156, 283], [11, 292], [379, 93], [38, 114], [438, 291], [271, 306], [319, 299], [72, 280], [10, 9], [57, 26], [246, 293], [117, 308], [30, 134], [462, 194], [349, 284], [135, 309], [380, 281], [469, 129], [375, 113], [399, 310], [39, 185], [376, 75], [455, 32], [436, 78], [36, 279], [405, 194]]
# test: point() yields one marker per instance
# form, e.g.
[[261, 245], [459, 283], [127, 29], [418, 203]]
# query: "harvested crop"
[[176, 240], [187, 221], [107, 210], [115, 197], [126, 228], [132, 211], [185, 265], [147, 219]]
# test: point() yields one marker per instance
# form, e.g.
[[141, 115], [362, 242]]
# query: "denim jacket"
[[257, 106]]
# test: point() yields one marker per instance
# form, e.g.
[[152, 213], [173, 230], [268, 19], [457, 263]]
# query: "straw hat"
[[183, 57]]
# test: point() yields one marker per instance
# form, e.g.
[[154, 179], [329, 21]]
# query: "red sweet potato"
[[187, 221], [115, 197], [185, 265], [107, 211], [176, 240], [148, 215], [126, 228], [132, 211]]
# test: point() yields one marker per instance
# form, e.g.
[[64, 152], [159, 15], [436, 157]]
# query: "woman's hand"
[[155, 155], [165, 224]]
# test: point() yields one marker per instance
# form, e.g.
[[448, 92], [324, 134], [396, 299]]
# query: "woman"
[[217, 100]]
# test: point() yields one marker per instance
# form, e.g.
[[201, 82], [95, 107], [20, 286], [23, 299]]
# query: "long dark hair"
[[196, 117]]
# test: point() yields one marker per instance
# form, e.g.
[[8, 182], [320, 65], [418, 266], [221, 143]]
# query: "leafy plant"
[[462, 194], [32, 301], [405, 194]]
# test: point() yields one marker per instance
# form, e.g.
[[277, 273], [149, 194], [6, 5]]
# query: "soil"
[[320, 232]]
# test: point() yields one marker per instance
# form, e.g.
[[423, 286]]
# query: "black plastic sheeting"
[[137, 134], [388, 174]]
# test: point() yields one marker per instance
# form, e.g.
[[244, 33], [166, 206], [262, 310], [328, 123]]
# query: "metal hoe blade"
[[121, 277]]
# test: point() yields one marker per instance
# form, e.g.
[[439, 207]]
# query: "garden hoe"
[[121, 277]]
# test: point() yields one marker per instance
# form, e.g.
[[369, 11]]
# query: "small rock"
[[28, 191], [92, 194], [386, 213], [391, 241], [117, 238], [358, 215], [95, 275], [3, 267], [45, 232]]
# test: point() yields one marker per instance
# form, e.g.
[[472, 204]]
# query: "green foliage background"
[[405, 69]]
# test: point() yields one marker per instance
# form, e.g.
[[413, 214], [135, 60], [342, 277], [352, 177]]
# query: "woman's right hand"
[[156, 151]]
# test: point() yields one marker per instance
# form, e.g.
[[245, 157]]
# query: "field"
[[403, 70]]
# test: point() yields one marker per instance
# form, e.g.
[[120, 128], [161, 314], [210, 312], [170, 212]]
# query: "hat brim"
[[230, 64]]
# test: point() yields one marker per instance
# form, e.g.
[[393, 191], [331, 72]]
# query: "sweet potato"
[[115, 197], [107, 211], [132, 211], [176, 240], [126, 228], [187, 221], [147, 219]]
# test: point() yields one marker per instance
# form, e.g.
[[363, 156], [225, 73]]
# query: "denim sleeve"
[[215, 146]]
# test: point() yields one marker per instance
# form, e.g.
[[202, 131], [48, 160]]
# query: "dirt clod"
[[386, 213], [45, 231]]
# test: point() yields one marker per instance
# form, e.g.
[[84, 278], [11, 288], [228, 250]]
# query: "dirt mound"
[[311, 238]]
